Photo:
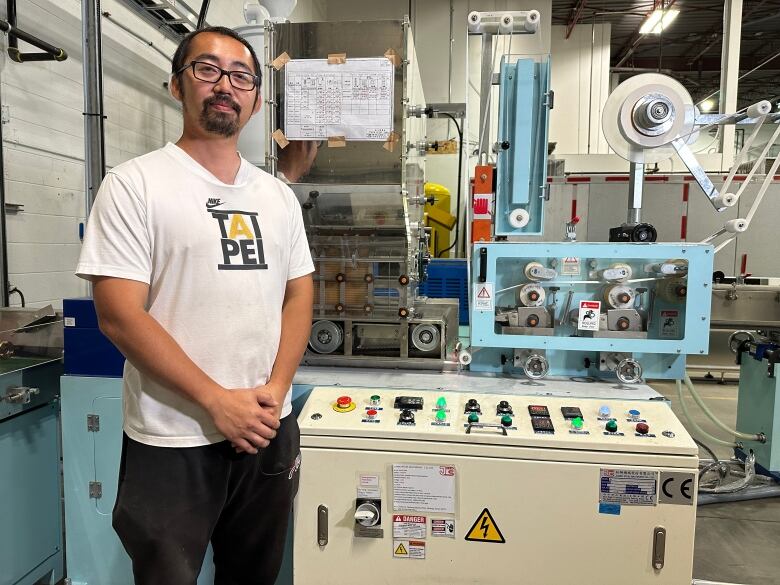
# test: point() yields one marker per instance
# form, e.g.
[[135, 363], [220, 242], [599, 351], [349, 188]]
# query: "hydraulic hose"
[[760, 437], [695, 426]]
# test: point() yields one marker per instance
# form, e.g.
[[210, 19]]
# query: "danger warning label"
[[483, 296], [409, 526], [409, 549]]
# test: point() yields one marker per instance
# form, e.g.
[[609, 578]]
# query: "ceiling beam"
[[576, 13]]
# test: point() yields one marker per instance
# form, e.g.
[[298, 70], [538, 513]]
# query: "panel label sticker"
[[443, 527], [424, 488], [676, 488], [613, 509], [628, 487], [588, 319], [409, 549], [368, 486], [670, 324], [483, 296], [570, 267], [485, 529], [409, 526], [70, 321]]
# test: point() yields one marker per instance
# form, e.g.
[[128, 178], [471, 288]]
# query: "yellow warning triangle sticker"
[[401, 549], [485, 529]]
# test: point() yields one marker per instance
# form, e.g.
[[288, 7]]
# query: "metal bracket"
[[501, 428], [93, 423], [95, 490], [698, 173]]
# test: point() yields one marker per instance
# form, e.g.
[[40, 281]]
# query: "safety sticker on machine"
[[409, 526], [443, 527], [570, 267], [670, 324], [628, 487], [588, 319], [485, 529], [409, 549], [483, 296]]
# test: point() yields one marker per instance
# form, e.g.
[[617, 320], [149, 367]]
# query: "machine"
[[447, 487], [355, 88], [31, 547]]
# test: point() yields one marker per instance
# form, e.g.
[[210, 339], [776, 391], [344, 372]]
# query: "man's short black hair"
[[180, 55]]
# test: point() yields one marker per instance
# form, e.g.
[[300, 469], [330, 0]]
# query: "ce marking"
[[677, 488]]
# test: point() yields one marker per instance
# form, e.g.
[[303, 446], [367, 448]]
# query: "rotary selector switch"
[[504, 408], [472, 406], [406, 416]]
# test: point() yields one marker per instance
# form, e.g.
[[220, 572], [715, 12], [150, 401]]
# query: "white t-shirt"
[[217, 258]]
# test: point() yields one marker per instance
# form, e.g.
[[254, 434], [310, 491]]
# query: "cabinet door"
[[30, 528]]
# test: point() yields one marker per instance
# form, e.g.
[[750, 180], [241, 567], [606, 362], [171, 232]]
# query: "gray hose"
[[749, 493]]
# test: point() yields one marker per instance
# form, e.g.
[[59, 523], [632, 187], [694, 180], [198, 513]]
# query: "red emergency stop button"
[[343, 401]]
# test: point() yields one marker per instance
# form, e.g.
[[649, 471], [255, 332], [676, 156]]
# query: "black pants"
[[172, 501]]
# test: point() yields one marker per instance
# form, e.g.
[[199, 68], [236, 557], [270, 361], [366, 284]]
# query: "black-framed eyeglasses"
[[210, 73]]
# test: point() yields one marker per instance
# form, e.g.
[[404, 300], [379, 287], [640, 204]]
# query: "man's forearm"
[[296, 328], [153, 351]]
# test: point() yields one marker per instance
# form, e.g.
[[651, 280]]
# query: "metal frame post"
[[94, 133], [729, 81]]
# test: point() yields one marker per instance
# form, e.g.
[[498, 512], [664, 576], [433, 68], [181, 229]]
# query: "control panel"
[[601, 424]]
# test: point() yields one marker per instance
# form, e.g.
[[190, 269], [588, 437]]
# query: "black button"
[[504, 408], [472, 406], [542, 424], [406, 416], [536, 410], [571, 412]]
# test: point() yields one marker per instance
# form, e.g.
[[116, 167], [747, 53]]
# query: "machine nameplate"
[[628, 487]]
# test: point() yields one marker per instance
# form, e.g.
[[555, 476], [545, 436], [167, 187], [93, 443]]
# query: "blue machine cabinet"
[[90, 457], [671, 311], [30, 503], [758, 409]]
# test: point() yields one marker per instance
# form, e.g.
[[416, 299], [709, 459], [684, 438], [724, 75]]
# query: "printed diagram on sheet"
[[352, 99]]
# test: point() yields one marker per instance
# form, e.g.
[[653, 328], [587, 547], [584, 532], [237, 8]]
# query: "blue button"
[[634, 413], [604, 411]]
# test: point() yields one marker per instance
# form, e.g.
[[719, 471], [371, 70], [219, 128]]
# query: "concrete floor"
[[735, 542]]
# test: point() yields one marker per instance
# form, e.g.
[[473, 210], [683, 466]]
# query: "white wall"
[[580, 80], [44, 137]]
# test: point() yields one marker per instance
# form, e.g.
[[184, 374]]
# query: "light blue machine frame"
[[525, 100], [502, 266]]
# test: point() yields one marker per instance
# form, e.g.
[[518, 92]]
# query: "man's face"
[[217, 108]]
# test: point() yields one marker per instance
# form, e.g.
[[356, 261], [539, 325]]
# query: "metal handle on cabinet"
[[500, 428], [659, 547], [20, 394], [322, 525]]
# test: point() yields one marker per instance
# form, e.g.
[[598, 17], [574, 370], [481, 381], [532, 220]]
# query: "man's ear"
[[258, 102], [174, 88]]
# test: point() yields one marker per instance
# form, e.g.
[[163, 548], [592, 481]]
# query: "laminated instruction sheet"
[[353, 99], [424, 488]]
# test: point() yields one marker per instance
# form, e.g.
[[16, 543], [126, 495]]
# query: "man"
[[296, 160], [201, 274]]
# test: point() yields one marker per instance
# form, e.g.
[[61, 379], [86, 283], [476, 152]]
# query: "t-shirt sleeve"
[[116, 242], [300, 255]]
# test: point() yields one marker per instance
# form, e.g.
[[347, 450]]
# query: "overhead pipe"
[[50, 52], [204, 8], [94, 131]]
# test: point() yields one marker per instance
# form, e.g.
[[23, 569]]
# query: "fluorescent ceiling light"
[[658, 20], [707, 105]]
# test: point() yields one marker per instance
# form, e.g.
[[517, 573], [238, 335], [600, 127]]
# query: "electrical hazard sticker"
[[483, 296], [409, 549], [589, 316], [485, 529]]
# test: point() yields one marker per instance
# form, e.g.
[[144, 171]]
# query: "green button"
[[506, 420], [376, 398], [611, 426], [473, 417], [441, 416], [576, 423], [441, 403]]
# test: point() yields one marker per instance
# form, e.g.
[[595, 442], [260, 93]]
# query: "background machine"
[[355, 88]]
